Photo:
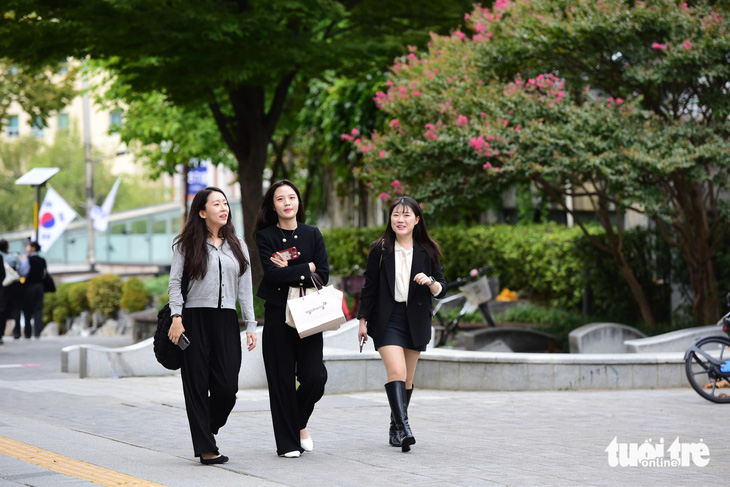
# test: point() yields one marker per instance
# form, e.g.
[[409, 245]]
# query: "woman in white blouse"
[[402, 276]]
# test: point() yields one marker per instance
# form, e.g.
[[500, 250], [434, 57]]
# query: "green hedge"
[[552, 265]]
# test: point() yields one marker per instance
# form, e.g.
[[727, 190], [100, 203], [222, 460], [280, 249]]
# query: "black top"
[[37, 269], [274, 287], [378, 294]]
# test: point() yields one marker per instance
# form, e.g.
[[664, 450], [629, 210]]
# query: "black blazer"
[[274, 287], [378, 294]]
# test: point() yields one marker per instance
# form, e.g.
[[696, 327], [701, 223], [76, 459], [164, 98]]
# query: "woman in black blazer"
[[402, 276], [289, 359]]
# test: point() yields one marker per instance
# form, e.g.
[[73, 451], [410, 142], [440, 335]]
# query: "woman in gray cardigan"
[[215, 262]]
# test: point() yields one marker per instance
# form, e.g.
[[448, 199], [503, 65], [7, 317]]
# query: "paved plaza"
[[135, 429]]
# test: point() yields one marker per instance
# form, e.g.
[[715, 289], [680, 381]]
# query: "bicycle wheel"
[[702, 364]]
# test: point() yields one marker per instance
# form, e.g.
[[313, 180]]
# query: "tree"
[[240, 58], [539, 92], [165, 136], [39, 91]]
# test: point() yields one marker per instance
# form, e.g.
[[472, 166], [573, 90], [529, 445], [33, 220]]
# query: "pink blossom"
[[687, 45], [395, 184], [461, 121], [459, 34], [482, 114], [518, 128], [394, 124], [416, 93], [355, 132], [487, 165], [384, 196], [658, 46], [506, 122], [382, 153], [619, 101], [412, 48], [411, 56]]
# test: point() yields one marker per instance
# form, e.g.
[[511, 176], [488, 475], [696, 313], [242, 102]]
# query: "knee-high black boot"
[[393, 438], [396, 392]]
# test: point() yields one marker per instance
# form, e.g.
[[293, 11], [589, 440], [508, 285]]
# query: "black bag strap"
[[184, 282]]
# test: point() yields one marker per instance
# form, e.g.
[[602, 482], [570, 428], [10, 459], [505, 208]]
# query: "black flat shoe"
[[214, 461]]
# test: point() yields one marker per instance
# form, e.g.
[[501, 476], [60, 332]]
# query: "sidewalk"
[[137, 427]]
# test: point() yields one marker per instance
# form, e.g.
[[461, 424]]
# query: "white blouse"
[[403, 261]]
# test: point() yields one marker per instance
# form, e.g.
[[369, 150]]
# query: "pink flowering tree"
[[621, 108]]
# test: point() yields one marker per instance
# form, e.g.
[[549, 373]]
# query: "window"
[[115, 120], [36, 129], [13, 128], [63, 121]]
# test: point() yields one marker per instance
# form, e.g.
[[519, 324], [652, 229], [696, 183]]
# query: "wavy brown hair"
[[192, 240]]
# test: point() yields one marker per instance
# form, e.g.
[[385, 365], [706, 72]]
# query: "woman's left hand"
[[251, 341], [279, 260]]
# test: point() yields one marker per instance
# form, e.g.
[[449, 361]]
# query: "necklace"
[[283, 235]]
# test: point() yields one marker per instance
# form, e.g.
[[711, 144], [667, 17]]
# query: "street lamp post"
[[91, 251]]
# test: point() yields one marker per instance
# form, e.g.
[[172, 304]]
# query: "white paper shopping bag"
[[317, 311]]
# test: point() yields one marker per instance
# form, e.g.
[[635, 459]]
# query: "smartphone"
[[183, 342], [362, 342], [289, 254]]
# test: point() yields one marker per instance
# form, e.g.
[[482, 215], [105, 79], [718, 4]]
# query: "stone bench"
[[674, 341], [602, 338]]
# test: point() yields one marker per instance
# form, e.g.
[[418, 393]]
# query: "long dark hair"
[[420, 233], [267, 214], [192, 240]]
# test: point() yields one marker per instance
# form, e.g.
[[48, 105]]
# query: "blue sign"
[[197, 179]]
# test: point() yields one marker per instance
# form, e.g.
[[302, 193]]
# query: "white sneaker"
[[307, 444], [292, 454]]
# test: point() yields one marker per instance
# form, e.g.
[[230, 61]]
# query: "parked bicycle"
[[474, 294], [707, 364]]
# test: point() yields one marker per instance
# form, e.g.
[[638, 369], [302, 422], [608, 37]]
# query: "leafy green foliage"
[[135, 296], [78, 300], [105, 293], [39, 91], [550, 265], [583, 100]]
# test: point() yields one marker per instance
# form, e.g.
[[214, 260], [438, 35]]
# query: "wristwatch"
[[432, 280]]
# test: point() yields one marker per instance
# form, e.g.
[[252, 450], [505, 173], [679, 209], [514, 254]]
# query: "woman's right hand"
[[362, 333], [176, 329]]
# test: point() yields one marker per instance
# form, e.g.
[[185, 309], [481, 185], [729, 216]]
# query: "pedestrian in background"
[[215, 262], [11, 294], [289, 359], [402, 276], [33, 267]]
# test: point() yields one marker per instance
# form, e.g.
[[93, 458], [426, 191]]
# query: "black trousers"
[[12, 296], [210, 372], [288, 359], [32, 308]]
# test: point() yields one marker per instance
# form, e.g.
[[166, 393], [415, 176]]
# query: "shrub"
[[78, 299], [551, 265], [135, 297], [105, 293]]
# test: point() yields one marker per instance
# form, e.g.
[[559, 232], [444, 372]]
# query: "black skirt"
[[397, 332]]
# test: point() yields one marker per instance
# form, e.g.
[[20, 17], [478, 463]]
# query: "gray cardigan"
[[204, 293]]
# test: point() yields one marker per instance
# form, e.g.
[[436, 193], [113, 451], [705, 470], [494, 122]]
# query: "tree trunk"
[[693, 237], [248, 133]]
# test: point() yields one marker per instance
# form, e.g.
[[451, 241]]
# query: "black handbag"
[[167, 353], [48, 285]]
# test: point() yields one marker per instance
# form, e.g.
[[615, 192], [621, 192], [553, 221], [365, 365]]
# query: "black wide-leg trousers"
[[210, 372], [288, 359]]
